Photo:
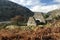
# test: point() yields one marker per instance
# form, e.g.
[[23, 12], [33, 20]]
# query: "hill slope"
[[53, 14], [9, 9]]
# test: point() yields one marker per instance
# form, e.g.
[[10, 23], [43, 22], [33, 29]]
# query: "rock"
[[12, 27], [31, 22], [39, 16]]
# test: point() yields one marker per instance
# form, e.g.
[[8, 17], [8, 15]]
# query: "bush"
[[17, 20]]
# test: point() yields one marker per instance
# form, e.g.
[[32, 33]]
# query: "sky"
[[39, 5]]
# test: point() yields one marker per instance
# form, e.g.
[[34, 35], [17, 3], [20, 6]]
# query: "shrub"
[[17, 19]]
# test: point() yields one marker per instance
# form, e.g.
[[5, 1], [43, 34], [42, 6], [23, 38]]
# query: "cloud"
[[37, 5], [56, 0], [19, 1], [27, 2], [45, 9]]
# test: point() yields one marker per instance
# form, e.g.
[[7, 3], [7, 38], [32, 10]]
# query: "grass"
[[50, 31]]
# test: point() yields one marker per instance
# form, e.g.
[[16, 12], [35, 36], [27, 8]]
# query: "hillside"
[[9, 9], [54, 14]]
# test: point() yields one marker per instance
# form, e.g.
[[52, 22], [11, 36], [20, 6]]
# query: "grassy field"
[[42, 33], [50, 31]]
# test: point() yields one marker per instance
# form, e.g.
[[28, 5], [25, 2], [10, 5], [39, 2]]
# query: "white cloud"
[[56, 0], [47, 8], [37, 6], [19, 1], [27, 2]]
